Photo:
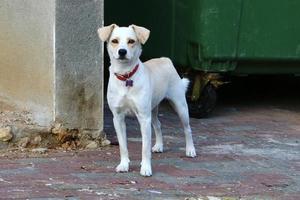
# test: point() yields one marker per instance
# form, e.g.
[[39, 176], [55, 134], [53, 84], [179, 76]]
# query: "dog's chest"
[[122, 102], [127, 106]]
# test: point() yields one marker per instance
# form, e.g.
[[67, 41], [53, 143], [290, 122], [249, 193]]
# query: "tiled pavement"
[[243, 153]]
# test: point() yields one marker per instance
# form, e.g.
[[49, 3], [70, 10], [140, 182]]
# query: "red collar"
[[128, 75]]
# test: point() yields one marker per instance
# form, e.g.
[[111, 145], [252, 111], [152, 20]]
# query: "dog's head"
[[124, 44]]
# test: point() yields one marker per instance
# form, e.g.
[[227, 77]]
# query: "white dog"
[[138, 88]]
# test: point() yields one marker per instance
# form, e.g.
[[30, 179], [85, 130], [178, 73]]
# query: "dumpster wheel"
[[205, 104]]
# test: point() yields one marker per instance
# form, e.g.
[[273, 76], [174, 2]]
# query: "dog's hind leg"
[[120, 127], [178, 101], [158, 147]]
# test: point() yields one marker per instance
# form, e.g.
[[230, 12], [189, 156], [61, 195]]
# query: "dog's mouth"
[[123, 58]]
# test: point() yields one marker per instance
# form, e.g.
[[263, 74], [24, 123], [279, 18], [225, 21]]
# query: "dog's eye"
[[115, 41], [131, 41]]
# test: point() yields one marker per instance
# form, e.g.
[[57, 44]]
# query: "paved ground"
[[245, 151]]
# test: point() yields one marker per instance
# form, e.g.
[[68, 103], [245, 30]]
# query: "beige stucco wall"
[[51, 60], [27, 55]]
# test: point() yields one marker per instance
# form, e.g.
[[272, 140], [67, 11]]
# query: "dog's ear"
[[105, 32], [141, 33]]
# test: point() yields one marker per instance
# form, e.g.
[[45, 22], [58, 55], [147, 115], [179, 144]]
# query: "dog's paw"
[[158, 148], [191, 152], [146, 170], [123, 167]]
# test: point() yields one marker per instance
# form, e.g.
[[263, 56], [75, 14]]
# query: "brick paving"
[[243, 153]]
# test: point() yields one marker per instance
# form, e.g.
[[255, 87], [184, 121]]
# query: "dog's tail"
[[185, 83]]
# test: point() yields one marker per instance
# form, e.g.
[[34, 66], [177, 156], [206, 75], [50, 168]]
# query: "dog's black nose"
[[122, 52]]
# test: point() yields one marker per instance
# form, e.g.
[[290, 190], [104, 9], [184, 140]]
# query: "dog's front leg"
[[145, 124], [120, 127]]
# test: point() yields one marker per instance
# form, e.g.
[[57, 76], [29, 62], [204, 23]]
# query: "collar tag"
[[129, 83]]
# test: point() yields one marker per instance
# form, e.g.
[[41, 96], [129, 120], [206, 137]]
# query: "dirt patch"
[[19, 131]]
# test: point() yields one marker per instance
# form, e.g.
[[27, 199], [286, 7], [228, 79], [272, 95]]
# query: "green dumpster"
[[209, 37]]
